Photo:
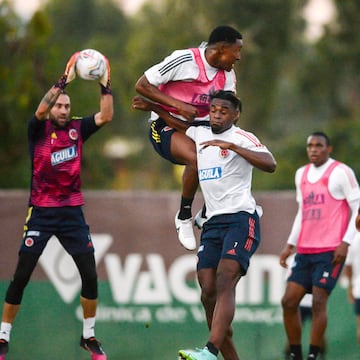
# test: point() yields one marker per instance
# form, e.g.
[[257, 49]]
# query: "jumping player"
[[182, 84], [55, 204]]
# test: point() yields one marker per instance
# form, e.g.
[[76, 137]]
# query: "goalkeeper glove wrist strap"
[[106, 90], [61, 82]]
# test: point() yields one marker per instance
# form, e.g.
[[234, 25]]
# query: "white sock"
[[88, 327], [5, 330]]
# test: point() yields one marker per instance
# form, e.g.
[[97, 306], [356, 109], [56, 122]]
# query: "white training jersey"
[[353, 260], [342, 185], [181, 65], [224, 176]]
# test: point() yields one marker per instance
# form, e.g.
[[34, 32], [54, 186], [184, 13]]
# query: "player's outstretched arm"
[[262, 160], [106, 101], [49, 100], [144, 88], [139, 103]]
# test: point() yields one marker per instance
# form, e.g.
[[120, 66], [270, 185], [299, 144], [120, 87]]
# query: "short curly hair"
[[227, 95], [224, 33]]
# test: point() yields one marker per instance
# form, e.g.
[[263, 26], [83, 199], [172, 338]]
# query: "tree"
[[288, 85]]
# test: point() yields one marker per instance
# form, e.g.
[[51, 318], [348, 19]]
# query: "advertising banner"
[[149, 303]]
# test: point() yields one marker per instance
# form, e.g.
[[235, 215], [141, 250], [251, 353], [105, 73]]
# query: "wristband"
[[106, 90], [61, 82]]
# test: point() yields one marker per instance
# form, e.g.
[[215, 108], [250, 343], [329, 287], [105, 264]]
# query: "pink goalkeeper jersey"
[[324, 218], [56, 161], [195, 92]]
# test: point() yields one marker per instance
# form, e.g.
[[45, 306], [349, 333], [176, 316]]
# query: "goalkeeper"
[[55, 205]]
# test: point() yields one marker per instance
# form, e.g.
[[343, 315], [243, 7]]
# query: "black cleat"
[[94, 347], [4, 348]]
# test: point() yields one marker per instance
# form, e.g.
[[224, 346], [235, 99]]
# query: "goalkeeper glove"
[[69, 74], [105, 79]]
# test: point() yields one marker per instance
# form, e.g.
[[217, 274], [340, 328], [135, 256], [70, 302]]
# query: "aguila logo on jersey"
[[73, 134], [201, 99], [314, 199], [210, 173], [63, 155], [224, 153]]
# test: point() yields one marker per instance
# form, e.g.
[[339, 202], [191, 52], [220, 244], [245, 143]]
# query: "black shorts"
[[66, 223], [160, 137]]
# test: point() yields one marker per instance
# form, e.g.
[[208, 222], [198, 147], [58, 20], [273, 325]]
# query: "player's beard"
[[59, 122], [216, 129]]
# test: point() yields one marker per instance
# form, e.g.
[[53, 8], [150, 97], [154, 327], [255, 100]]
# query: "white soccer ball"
[[90, 65]]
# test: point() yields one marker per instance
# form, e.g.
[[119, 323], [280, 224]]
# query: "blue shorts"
[[66, 223], [230, 236], [160, 137], [310, 270]]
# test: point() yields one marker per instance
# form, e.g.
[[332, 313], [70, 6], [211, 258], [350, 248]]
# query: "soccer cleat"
[[199, 220], [4, 348], [94, 347], [185, 232], [198, 354]]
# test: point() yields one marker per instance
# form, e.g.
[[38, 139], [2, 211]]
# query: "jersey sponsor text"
[[64, 155], [210, 173]]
